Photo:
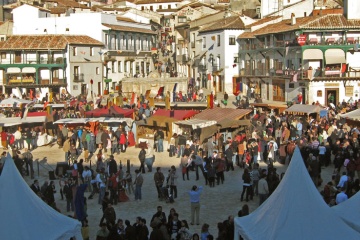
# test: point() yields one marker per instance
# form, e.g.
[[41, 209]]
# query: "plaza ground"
[[216, 203]]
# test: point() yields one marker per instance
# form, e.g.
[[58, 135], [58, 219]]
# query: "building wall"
[[286, 7], [352, 9]]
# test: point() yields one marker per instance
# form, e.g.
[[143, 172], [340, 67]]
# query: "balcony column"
[[36, 75], [117, 41]]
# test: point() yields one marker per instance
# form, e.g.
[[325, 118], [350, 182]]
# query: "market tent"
[[218, 114], [295, 210], [228, 123], [349, 211], [14, 102], [280, 107], [128, 121], [25, 216], [72, 121], [303, 109], [112, 111], [177, 114], [13, 121], [195, 123], [353, 115]]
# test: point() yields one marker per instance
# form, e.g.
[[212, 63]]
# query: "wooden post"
[[128, 165]]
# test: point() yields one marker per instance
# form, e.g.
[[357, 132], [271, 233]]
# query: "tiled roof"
[[57, 10], [331, 21], [262, 21], [124, 19], [219, 114], [128, 29], [155, 1], [247, 35], [39, 42], [234, 22], [69, 3]]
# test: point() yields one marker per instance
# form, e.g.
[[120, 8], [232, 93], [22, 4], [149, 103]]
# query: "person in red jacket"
[[4, 137], [122, 141]]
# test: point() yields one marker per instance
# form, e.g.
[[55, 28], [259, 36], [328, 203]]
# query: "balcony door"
[[18, 57]]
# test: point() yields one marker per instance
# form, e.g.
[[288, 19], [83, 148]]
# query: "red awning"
[[112, 111]]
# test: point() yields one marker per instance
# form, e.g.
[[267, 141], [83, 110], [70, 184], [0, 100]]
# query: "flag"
[[211, 48], [26, 109]]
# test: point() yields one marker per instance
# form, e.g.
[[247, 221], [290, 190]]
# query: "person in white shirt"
[[17, 136], [87, 176]]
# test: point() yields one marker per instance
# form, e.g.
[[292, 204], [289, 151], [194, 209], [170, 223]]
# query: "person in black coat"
[[49, 193], [130, 232], [112, 166], [36, 188]]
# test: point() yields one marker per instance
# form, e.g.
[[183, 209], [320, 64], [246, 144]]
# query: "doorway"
[[331, 96], [303, 96], [83, 89]]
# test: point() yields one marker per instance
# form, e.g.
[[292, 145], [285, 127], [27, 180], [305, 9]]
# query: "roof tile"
[[40, 42], [128, 29]]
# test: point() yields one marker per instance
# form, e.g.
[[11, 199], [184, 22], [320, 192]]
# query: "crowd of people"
[[324, 142]]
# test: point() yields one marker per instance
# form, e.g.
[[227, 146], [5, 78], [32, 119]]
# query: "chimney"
[[293, 19]]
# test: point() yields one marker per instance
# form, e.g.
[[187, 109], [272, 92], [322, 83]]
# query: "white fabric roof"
[[13, 121], [196, 123], [302, 108], [72, 120], [349, 211], [295, 210], [353, 115], [55, 105], [13, 102], [20, 207], [128, 121]]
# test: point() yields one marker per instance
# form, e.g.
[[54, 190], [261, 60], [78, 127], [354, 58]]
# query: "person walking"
[[139, 180], [263, 190], [172, 181], [159, 180], [246, 185], [142, 155], [194, 194], [69, 195], [149, 157]]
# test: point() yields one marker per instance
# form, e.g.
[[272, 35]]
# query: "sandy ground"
[[216, 203]]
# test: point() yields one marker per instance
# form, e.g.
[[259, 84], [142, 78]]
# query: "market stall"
[[199, 128], [352, 118], [14, 103], [113, 111], [278, 108]]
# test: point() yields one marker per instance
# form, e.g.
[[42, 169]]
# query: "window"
[[3, 55], [169, 6], [291, 85], [119, 66], [218, 40], [106, 39], [232, 40], [125, 66], [142, 8], [97, 70], [160, 6], [113, 67], [236, 59], [74, 51], [91, 51], [2, 39], [319, 93], [151, 8], [181, 19], [204, 42]]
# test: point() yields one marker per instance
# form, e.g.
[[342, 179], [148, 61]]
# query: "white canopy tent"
[[25, 216], [13, 121], [13, 102], [295, 210], [72, 120], [128, 121], [349, 211], [353, 115]]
